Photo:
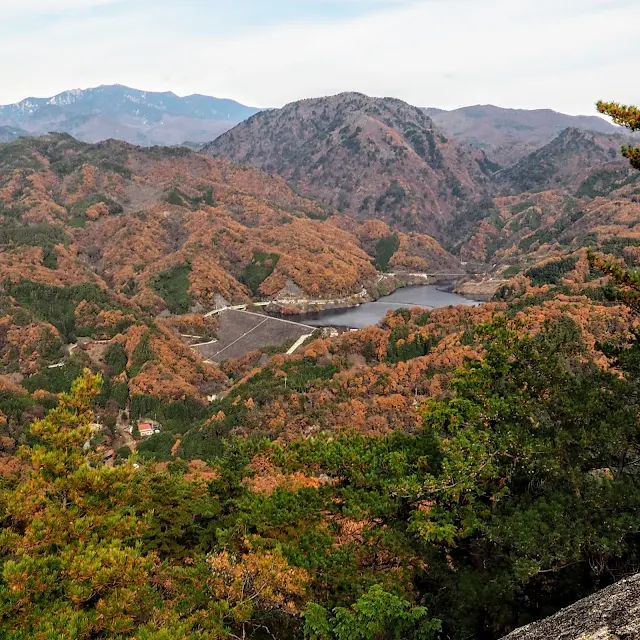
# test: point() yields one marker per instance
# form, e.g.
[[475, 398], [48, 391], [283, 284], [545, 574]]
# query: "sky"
[[559, 54]]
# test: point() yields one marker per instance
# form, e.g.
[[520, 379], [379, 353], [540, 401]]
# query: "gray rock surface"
[[610, 614]]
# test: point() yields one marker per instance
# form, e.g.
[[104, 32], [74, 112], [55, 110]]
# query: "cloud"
[[446, 54], [10, 8], [532, 53]]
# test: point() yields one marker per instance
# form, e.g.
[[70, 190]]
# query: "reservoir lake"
[[370, 313]]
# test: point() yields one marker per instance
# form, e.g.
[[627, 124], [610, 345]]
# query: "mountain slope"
[[507, 135], [574, 193], [604, 211], [9, 134], [141, 117], [111, 254], [563, 161], [368, 157], [124, 214]]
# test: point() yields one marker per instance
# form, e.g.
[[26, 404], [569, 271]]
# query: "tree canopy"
[[628, 117]]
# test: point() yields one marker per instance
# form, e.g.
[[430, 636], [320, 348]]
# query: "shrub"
[[385, 250], [172, 286], [258, 270]]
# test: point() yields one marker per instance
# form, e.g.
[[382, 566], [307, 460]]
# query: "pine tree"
[[89, 551], [74, 569], [625, 284], [628, 117], [628, 290]]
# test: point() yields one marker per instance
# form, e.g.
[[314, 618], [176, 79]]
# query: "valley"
[[137, 248], [164, 238], [349, 358]]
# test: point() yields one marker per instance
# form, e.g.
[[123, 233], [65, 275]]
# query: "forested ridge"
[[131, 246], [546, 190], [455, 473]]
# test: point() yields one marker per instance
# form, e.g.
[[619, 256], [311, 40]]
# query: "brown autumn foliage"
[[199, 471], [267, 478], [262, 580], [238, 368], [173, 372], [417, 251], [566, 161], [103, 322], [597, 206], [166, 208], [120, 217], [26, 263], [25, 342], [373, 393]]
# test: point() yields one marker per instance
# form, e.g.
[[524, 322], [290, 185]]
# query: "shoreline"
[[316, 313], [398, 281]]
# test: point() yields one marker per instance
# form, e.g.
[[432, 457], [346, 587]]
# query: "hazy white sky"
[[561, 54]]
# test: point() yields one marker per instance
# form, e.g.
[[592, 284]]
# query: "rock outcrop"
[[611, 614]]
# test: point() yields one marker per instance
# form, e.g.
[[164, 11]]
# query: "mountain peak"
[[369, 157], [563, 160], [508, 135], [140, 117]]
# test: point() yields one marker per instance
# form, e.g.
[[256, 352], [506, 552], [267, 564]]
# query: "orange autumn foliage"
[[262, 580]]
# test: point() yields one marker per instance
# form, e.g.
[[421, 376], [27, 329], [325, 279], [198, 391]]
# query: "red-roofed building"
[[146, 430], [147, 427]]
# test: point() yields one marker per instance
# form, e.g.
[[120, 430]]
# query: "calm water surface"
[[369, 313]]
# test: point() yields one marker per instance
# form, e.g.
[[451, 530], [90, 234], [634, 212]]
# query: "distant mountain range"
[[507, 135], [116, 111], [151, 118]]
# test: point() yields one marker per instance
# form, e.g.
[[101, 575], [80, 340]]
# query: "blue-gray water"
[[370, 313]]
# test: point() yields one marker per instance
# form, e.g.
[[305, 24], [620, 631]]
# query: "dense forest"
[[455, 524], [455, 473]]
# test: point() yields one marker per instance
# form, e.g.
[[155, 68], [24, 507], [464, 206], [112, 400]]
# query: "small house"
[[146, 429]]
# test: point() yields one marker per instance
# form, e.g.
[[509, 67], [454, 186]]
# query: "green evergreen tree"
[[377, 615], [628, 117]]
